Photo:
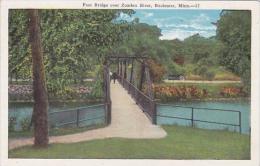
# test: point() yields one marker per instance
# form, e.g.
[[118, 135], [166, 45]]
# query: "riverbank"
[[204, 100], [180, 143], [24, 92], [170, 92], [90, 101], [53, 132]]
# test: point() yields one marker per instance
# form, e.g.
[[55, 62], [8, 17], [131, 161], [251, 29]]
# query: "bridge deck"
[[128, 121]]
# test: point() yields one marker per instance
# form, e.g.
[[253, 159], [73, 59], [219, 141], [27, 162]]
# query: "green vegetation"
[[53, 132], [167, 92], [74, 43], [86, 90], [234, 31], [213, 89], [74, 46], [92, 35], [205, 144]]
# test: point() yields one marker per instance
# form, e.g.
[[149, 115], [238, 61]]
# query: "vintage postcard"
[[130, 82]]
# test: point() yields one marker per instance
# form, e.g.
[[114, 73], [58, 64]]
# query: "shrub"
[[177, 93], [193, 77], [175, 69], [205, 73], [24, 92], [227, 76], [11, 123], [189, 69], [25, 124], [157, 70], [233, 92], [201, 70], [209, 75]]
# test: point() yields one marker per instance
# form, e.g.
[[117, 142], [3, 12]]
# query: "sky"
[[180, 23]]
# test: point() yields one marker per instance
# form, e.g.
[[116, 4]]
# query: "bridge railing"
[[193, 110], [147, 104], [78, 117]]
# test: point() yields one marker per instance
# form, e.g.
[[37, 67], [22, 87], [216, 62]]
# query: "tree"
[[199, 49], [40, 108], [19, 51], [143, 40], [74, 41], [157, 70], [234, 31]]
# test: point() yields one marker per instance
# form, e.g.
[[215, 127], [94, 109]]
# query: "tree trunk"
[[40, 108]]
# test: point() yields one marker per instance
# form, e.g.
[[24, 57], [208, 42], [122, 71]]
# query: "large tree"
[[65, 44], [199, 49], [234, 31], [40, 108], [143, 40], [74, 42], [19, 51]]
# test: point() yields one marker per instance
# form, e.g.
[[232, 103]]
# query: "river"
[[208, 115]]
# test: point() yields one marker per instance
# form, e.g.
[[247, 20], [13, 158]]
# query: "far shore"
[[206, 99]]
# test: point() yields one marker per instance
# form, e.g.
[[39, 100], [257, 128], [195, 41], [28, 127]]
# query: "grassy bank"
[[53, 132], [199, 91], [84, 91], [180, 143], [212, 89]]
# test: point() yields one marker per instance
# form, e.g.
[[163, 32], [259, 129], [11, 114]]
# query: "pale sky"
[[179, 23]]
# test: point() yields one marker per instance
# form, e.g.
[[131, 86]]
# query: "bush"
[[205, 73], [179, 92], [25, 124], [209, 75], [201, 70], [233, 92], [193, 77], [24, 92], [189, 69], [11, 123], [157, 70], [175, 69]]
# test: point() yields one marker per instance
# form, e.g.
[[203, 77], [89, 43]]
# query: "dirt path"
[[128, 121]]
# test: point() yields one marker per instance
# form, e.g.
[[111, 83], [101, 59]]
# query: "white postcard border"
[[63, 4]]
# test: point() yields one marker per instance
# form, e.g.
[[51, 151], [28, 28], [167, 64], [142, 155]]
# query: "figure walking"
[[114, 77]]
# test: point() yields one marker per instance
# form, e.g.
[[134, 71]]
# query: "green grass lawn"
[[180, 143], [53, 132]]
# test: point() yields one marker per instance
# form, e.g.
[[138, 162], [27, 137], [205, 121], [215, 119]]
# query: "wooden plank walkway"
[[128, 121]]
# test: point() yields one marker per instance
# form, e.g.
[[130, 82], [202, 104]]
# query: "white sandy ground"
[[128, 121]]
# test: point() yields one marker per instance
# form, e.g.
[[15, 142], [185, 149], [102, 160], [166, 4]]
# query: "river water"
[[24, 110], [208, 115], [21, 111]]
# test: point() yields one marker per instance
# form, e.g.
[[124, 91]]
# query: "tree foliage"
[[19, 51], [234, 31], [73, 42], [140, 41], [143, 40], [157, 70], [200, 50]]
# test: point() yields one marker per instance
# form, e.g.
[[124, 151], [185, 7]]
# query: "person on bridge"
[[114, 77]]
